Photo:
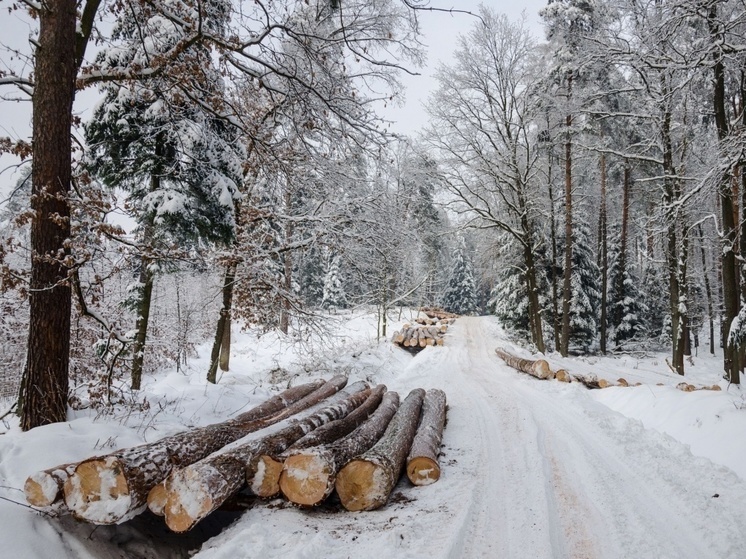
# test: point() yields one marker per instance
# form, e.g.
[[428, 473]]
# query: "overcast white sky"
[[440, 32]]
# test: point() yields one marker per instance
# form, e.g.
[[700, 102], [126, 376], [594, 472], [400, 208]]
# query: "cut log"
[[195, 491], [114, 488], [366, 482], [308, 475], [264, 474], [157, 499], [538, 368], [622, 382], [563, 376], [44, 488], [422, 463]]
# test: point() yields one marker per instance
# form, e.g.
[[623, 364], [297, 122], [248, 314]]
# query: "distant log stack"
[[438, 314], [419, 336]]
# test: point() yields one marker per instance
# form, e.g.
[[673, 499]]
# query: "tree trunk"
[[422, 463], [567, 278], [708, 289], [111, 489], [538, 368], [197, 490], [221, 345], [556, 325], [730, 275], [308, 476], [604, 255], [366, 482], [141, 325], [264, 480], [43, 397]]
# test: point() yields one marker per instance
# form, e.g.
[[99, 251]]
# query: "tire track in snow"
[[579, 480]]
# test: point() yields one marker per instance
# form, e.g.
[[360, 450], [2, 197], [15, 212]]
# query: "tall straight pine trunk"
[[43, 397]]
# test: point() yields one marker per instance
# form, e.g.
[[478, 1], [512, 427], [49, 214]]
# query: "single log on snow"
[[44, 488], [264, 474], [308, 475], [366, 482], [538, 368], [422, 462], [114, 488], [194, 492]]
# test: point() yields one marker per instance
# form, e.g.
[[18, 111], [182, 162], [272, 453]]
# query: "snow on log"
[[366, 482], [420, 336], [422, 462], [308, 475], [538, 368], [195, 491], [44, 488], [114, 488], [264, 476]]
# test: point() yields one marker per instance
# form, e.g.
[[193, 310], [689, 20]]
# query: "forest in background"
[[588, 188]]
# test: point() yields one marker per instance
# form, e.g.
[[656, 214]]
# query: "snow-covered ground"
[[530, 468]]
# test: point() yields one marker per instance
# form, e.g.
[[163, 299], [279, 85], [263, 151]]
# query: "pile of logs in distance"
[[426, 331], [355, 439]]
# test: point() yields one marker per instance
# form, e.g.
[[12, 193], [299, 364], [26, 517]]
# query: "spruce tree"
[[626, 308], [334, 294], [461, 294]]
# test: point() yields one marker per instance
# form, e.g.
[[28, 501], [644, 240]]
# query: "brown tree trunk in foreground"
[[539, 368], [111, 489], [366, 482], [422, 463], [264, 479], [43, 397], [308, 476], [221, 346], [194, 492]]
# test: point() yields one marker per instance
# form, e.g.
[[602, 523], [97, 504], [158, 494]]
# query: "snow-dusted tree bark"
[[195, 491], [308, 476], [264, 476], [114, 488], [366, 482], [423, 467]]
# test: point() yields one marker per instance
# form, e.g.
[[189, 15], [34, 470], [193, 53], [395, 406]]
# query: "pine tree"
[[461, 294]]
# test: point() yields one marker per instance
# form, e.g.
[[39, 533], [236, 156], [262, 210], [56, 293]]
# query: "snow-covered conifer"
[[461, 294]]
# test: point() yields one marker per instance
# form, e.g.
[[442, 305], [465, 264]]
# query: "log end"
[[187, 500], [562, 375], [361, 485], [157, 499], [306, 479], [266, 480], [98, 492], [603, 383], [541, 369], [41, 489], [622, 382], [423, 471]]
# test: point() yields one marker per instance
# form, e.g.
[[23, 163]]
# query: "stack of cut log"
[[427, 331], [354, 439], [438, 314], [540, 369]]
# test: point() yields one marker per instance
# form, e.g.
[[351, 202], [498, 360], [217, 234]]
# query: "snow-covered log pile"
[[418, 336], [439, 314], [357, 439]]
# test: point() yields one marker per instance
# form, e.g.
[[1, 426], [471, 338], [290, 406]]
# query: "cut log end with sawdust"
[[366, 482]]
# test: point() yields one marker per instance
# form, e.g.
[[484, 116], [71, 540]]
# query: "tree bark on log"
[[194, 492], [538, 368], [308, 475], [422, 463], [114, 488], [264, 479], [366, 482]]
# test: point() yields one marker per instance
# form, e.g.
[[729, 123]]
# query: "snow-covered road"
[[530, 470]]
